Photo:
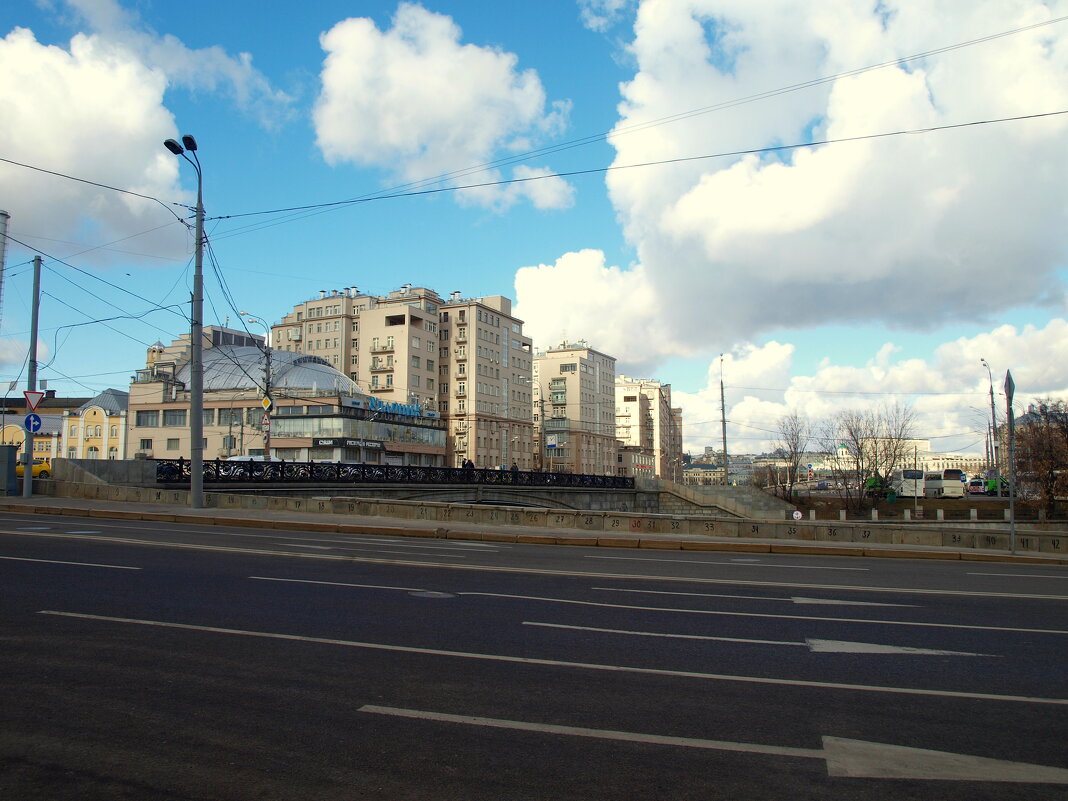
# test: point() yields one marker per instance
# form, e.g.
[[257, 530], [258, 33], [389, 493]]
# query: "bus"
[[947, 484], [907, 483]]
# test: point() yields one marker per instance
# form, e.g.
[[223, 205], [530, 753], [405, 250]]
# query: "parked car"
[[977, 487], [252, 459], [40, 469]]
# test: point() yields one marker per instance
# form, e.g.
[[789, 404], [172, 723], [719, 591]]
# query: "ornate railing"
[[221, 471]]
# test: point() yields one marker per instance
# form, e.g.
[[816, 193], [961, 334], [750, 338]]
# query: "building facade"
[[464, 360], [315, 413], [645, 419], [574, 391]]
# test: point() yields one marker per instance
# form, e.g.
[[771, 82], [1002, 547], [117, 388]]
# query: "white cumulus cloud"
[[415, 100], [907, 231]]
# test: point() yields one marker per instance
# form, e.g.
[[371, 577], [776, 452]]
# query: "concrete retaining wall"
[[823, 533]]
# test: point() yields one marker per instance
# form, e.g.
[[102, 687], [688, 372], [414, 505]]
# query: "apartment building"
[[463, 360], [646, 421], [574, 391], [485, 390]]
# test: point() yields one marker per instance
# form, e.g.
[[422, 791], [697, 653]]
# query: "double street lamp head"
[[177, 149]]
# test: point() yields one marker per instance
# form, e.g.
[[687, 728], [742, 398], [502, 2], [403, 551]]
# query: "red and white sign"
[[33, 398]]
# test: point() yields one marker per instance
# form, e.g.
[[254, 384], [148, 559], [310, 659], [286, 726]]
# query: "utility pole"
[[723, 423], [31, 378], [4, 217]]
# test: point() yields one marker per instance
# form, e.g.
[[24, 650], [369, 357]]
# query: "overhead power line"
[[661, 162]]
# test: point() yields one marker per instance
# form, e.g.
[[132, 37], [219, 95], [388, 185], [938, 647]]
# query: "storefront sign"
[[342, 442], [390, 407]]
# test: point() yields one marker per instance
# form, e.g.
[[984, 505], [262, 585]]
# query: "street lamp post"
[[267, 402], [196, 325], [993, 426]]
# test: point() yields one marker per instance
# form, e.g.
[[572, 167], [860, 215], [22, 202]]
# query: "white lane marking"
[[340, 584], [737, 562], [305, 545], [393, 542], [816, 646], [836, 602], [530, 571], [86, 531], [661, 634], [845, 758], [762, 614], [34, 528], [794, 600], [60, 562], [1018, 575], [846, 647], [600, 734], [526, 660]]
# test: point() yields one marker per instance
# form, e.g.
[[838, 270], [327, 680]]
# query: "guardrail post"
[[973, 514], [907, 514], [811, 514], [874, 514], [841, 514], [940, 514]]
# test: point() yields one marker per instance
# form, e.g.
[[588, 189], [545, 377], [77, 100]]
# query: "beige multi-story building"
[[645, 420], [574, 391], [97, 429], [464, 360], [486, 382]]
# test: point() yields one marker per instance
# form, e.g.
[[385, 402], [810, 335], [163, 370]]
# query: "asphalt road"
[[180, 662]]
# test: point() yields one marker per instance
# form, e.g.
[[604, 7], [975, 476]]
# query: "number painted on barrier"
[[1056, 544], [469, 513], [675, 525], [389, 508], [493, 515], [865, 534], [446, 514], [514, 517], [559, 519], [421, 514], [615, 523], [832, 532], [587, 521], [636, 524], [710, 526], [990, 540], [956, 539], [1025, 543], [754, 529], [791, 532]]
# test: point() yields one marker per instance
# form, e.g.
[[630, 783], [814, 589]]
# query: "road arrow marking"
[[845, 647], [796, 600], [858, 759], [814, 645], [844, 758]]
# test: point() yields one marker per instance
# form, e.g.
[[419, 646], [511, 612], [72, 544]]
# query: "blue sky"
[[851, 274]]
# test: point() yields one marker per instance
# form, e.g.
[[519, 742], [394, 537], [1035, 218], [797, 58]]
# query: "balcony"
[[381, 389], [381, 368], [460, 356], [381, 349]]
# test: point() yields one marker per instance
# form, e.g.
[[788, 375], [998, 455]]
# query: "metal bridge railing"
[[221, 471]]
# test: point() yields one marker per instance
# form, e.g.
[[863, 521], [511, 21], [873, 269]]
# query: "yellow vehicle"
[[40, 469]]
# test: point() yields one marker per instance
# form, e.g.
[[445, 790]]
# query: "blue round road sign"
[[32, 423]]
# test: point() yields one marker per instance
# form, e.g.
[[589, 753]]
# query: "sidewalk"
[[397, 527]]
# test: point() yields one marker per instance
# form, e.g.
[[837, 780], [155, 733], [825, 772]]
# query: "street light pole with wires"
[[267, 402], [196, 333]]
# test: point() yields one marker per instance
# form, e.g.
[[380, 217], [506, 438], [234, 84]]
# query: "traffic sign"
[[33, 398], [265, 423], [32, 423], [1010, 387], [797, 514], [266, 403]]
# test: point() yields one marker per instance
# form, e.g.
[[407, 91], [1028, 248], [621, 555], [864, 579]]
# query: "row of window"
[[150, 418], [94, 431]]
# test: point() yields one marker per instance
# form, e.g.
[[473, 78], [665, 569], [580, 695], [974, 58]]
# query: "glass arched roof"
[[234, 367]]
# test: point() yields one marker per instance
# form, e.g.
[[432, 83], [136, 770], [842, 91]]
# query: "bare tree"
[[795, 433], [866, 443], [1042, 451]]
